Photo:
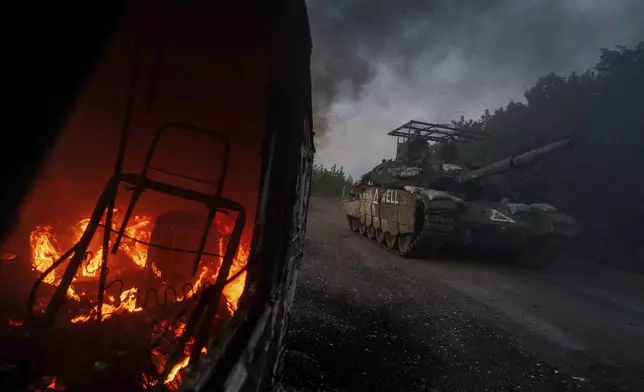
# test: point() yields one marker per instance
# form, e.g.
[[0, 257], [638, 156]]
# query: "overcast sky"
[[379, 63]]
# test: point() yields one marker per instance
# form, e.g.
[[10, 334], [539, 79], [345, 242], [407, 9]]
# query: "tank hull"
[[412, 224], [416, 222]]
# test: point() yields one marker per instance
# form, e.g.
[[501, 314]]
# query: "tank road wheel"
[[404, 243], [354, 223], [371, 232], [390, 241], [380, 236], [362, 228]]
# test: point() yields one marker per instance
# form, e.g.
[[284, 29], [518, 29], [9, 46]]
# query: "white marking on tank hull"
[[391, 197]]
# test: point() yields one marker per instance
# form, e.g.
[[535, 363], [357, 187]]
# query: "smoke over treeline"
[[379, 63]]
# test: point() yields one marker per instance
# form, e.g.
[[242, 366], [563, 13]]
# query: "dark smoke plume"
[[379, 63]]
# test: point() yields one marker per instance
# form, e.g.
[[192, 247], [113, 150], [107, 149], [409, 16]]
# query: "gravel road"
[[367, 320]]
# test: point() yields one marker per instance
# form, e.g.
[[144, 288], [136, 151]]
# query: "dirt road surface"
[[367, 320]]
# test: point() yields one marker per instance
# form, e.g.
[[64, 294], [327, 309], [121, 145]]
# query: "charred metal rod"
[[222, 279], [162, 247], [183, 193], [80, 249], [170, 173], [208, 301], [204, 237], [125, 132], [34, 288], [183, 339], [128, 213], [105, 252]]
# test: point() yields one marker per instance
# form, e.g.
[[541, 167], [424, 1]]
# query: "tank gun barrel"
[[517, 161]]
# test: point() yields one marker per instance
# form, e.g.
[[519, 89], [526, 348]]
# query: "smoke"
[[379, 63]]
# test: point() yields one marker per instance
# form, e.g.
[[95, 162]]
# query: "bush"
[[328, 182]]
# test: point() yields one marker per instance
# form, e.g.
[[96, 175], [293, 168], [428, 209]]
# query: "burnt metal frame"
[[209, 298], [206, 308]]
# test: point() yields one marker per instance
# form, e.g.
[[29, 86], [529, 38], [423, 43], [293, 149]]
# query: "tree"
[[328, 182]]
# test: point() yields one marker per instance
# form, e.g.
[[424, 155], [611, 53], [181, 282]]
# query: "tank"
[[427, 198]]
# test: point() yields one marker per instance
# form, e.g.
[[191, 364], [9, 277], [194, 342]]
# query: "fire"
[[15, 323], [44, 253], [127, 304], [139, 230], [235, 288], [45, 250], [173, 379], [53, 384]]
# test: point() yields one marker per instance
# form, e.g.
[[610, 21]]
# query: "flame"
[[155, 270], [45, 251], [54, 385], [15, 323], [138, 231], [172, 376], [234, 289], [127, 304], [173, 379]]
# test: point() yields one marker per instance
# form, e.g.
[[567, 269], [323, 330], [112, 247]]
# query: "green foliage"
[[601, 181], [328, 182]]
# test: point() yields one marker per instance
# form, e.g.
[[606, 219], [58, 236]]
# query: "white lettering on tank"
[[390, 196]]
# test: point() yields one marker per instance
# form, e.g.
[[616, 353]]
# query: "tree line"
[[329, 182], [601, 183]]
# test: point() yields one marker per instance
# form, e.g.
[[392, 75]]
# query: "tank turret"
[[517, 161]]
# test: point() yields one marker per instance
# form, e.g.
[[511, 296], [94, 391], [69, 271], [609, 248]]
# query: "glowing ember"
[[14, 323], [7, 256], [155, 270], [54, 385]]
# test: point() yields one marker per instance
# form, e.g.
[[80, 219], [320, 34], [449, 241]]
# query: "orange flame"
[[45, 251], [54, 385]]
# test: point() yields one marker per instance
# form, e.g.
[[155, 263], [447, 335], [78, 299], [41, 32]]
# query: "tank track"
[[437, 230]]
